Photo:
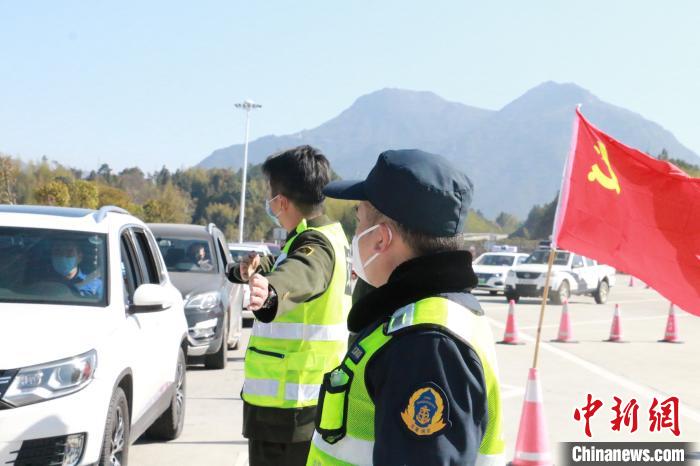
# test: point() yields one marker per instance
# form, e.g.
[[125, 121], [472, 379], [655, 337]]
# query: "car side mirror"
[[149, 298]]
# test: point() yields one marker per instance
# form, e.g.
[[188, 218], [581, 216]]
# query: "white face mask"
[[357, 264]]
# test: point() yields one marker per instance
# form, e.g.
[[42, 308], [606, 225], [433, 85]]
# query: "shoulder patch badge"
[[427, 411], [306, 250]]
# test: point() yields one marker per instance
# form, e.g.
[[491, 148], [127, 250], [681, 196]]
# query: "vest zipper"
[[266, 353]]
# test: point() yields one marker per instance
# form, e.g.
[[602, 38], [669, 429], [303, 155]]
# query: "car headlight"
[[52, 380], [203, 301], [511, 274], [204, 329]]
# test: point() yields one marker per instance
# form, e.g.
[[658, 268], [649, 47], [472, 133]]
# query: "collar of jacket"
[[415, 279], [316, 222]]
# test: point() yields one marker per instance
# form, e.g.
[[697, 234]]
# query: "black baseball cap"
[[419, 190]]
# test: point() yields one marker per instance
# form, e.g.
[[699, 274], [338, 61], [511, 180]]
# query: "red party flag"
[[633, 212]]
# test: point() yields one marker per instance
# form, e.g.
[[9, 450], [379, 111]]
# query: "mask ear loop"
[[376, 254]]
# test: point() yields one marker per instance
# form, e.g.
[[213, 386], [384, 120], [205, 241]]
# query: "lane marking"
[[641, 390], [511, 391]]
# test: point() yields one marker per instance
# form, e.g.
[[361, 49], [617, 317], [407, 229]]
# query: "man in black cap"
[[419, 383]]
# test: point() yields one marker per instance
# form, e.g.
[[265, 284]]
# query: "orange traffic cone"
[[631, 280], [616, 328], [511, 337], [532, 446], [565, 333], [671, 335]]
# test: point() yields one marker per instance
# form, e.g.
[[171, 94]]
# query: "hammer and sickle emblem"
[[596, 174]]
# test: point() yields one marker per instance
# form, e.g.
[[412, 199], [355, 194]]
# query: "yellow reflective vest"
[[287, 358], [345, 423]]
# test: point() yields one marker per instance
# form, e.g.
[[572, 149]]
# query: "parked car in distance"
[[572, 274], [242, 292], [491, 269], [196, 258], [93, 337]]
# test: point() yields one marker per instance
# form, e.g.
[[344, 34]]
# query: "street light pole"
[[246, 105]]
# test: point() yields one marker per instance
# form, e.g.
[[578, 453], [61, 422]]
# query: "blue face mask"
[[64, 265], [270, 213]]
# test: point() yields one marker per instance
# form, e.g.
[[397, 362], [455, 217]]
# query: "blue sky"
[[152, 83]]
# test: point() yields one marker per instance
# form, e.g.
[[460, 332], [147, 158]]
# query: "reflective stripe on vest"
[[270, 387], [351, 450], [291, 331], [333, 445], [286, 359]]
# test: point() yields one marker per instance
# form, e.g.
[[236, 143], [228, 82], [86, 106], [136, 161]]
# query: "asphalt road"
[[640, 369]]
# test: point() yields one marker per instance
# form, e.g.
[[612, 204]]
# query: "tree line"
[[202, 196], [192, 195]]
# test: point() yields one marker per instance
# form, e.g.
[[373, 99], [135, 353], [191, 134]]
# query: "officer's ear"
[[284, 202], [383, 238]]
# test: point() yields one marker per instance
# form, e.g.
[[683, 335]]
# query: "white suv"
[[572, 274], [491, 269], [92, 337]]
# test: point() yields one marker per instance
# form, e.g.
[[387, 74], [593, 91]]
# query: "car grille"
[[528, 290], [484, 276], [528, 275], [44, 451]]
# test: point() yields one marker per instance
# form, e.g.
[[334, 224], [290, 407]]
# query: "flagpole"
[[553, 244], [545, 295]]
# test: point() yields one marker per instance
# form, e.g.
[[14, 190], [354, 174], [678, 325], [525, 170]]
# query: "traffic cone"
[[631, 281], [616, 327], [565, 335], [671, 335], [532, 445], [511, 337]]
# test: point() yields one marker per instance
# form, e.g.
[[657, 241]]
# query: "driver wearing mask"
[[66, 257]]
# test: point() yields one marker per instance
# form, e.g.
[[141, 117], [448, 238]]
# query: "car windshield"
[[541, 257], [239, 254], [52, 267], [187, 254], [496, 259]]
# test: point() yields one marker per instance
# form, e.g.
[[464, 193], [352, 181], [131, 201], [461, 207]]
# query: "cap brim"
[[346, 189]]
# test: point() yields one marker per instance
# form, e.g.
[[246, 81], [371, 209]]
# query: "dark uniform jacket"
[[419, 357], [302, 276]]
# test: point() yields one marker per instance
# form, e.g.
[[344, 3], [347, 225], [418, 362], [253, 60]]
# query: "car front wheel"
[[601, 294], [169, 425], [115, 444]]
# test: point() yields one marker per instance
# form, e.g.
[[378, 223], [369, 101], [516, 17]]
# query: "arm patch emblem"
[[306, 250], [427, 411]]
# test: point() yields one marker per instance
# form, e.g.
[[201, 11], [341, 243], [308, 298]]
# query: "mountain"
[[514, 155]]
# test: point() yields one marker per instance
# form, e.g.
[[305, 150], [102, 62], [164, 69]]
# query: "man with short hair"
[[300, 303], [419, 383], [66, 257]]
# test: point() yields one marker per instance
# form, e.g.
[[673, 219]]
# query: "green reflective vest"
[[287, 358], [345, 424]]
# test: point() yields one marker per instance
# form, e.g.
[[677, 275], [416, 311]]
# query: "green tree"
[[170, 206], [83, 194], [508, 222], [223, 215], [53, 193], [9, 169], [539, 222]]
